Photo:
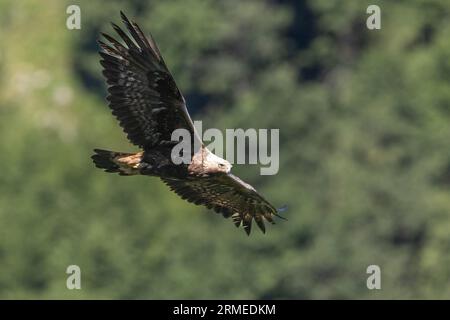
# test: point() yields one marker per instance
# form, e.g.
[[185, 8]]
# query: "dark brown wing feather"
[[226, 194], [142, 93]]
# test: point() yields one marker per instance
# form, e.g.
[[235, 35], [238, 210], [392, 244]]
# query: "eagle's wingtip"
[[280, 210], [124, 18]]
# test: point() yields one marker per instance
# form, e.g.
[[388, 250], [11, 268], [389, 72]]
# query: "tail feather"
[[120, 162]]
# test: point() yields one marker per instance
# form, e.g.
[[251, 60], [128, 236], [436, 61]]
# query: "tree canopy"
[[364, 157]]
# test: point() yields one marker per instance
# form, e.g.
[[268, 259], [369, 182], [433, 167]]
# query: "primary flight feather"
[[149, 106]]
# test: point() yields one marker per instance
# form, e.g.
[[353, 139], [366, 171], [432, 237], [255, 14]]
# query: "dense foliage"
[[365, 163]]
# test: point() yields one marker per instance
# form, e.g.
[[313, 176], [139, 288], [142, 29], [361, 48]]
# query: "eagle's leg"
[[146, 169]]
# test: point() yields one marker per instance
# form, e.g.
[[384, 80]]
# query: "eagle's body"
[[149, 106]]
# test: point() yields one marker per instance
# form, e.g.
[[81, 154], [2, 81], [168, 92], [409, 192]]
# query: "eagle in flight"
[[149, 106]]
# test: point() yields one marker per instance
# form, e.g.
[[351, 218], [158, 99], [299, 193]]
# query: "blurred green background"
[[364, 147]]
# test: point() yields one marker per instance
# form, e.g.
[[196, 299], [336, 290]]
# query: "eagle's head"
[[205, 162], [216, 164]]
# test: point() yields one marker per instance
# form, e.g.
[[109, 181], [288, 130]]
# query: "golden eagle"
[[144, 98]]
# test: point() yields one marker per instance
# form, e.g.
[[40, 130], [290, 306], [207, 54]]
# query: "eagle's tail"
[[125, 164]]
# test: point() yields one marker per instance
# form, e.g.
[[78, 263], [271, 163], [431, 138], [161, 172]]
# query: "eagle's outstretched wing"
[[142, 93], [228, 195]]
